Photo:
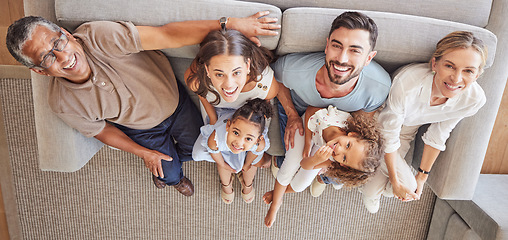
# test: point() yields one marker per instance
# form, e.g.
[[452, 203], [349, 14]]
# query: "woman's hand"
[[255, 25], [421, 178], [403, 193]]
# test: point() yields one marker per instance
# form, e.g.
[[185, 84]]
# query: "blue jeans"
[[283, 119], [326, 180], [174, 136]]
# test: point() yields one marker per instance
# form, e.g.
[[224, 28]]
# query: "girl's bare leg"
[[225, 179], [276, 200], [248, 178]]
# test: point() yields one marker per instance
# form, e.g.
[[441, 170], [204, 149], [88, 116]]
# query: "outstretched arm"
[[179, 34], [112, 136]]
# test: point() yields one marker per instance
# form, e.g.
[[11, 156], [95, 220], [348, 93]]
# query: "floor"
[[4, 233], [10, 11]]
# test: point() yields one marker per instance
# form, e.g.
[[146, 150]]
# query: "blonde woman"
[[441, 93]]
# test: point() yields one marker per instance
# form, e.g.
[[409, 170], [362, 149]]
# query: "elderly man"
[[108, 83]]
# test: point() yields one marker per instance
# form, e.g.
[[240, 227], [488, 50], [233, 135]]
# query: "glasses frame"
[[50, 54]]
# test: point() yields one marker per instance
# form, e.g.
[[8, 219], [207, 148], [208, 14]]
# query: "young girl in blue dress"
[[236, 142]]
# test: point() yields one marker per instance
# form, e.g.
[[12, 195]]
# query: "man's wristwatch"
[[223, 21]]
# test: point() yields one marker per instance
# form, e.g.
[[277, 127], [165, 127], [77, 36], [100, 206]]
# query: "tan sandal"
[[227, 197], [249, 197]]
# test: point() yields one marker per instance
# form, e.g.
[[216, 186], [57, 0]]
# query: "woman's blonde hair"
[[460, 39]]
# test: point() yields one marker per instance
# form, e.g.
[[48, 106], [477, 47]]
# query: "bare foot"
[[270, 216], [267, 198]]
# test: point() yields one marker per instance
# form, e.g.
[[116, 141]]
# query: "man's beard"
[[337, 79]]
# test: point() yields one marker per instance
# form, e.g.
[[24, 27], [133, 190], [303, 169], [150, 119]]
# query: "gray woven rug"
[[113, 197]]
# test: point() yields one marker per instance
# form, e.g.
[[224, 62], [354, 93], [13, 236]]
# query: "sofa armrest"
[[456, 170], [60, 147], [484, 217]]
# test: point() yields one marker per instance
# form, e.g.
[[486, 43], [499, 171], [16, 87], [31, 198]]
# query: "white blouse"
[[409, 104]]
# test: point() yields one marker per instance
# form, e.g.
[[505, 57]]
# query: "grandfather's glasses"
[[50, 57]]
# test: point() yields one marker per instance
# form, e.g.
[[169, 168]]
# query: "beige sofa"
[[408, 31]]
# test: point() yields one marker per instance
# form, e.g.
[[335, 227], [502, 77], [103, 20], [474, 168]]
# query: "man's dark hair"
[[21, 31], [356, 20]]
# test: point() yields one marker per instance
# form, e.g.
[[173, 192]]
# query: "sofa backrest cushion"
[[72, 13], [402, 38], [470, 12]]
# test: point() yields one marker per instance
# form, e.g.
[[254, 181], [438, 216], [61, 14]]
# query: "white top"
[[409, 104], [323, 119], [260, 91]]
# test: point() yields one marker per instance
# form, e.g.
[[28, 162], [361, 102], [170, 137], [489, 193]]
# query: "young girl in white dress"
[[236, 142], [348, 148]]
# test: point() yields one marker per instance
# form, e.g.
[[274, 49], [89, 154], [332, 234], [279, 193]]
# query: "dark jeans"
[[283, 119], [174, 136], [326, 180]]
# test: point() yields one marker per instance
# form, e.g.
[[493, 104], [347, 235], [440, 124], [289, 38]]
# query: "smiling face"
[[70, 63], [455, 71], [242, 135], [348, 150], [228, 75], [347, 52]]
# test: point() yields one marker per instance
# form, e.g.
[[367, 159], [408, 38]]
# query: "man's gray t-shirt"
[[298, 71]]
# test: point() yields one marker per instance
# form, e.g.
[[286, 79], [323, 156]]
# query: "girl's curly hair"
[[369, 133]]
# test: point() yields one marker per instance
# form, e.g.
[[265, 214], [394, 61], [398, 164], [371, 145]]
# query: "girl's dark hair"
[[226, 42], [368, 132], [256, 111]]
